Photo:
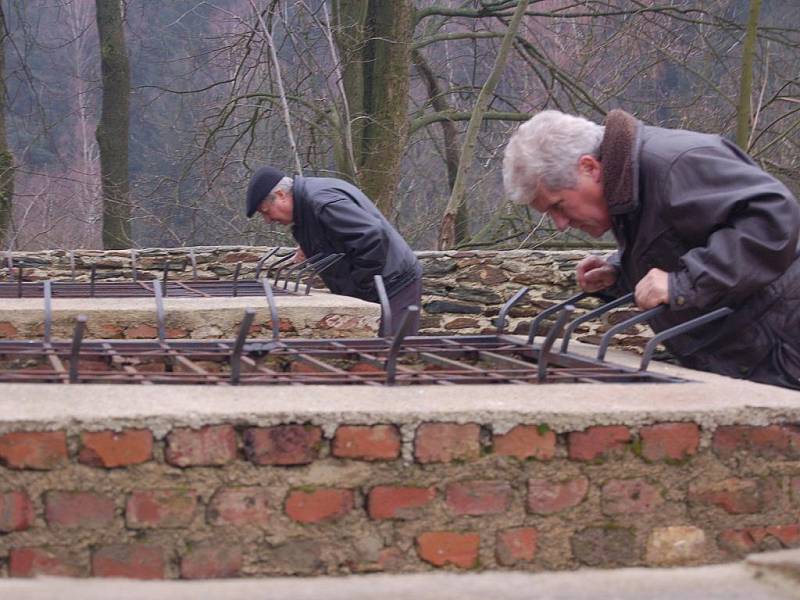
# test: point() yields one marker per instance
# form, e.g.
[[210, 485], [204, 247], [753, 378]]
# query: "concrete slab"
[[722, 582], [319, 314]]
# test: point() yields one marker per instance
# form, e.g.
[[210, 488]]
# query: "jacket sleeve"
[[741, 223], [352, 230]]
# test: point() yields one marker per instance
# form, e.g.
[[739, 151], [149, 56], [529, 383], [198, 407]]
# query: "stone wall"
[[462, 291], [237, 498]]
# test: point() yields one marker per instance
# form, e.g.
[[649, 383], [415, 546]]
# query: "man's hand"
[[652, 289], [299, 256], [595, 274]]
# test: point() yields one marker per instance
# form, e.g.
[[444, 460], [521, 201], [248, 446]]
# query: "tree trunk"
[[376, 78], [349, 22], [6, 158], [744, 108], [449, 234], [112, 129]]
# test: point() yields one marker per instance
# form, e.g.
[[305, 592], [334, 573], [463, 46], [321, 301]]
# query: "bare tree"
[[112, 129], [6, 158]]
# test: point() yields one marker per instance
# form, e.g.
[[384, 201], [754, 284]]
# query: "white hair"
[[545, 150], [283, 185]]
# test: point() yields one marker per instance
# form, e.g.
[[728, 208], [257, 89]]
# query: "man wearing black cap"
[[332, 216]]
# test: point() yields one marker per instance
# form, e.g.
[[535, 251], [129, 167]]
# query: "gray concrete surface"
[[738, 581], [304, 312]]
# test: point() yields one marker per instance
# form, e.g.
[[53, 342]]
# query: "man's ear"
[[591, 166]]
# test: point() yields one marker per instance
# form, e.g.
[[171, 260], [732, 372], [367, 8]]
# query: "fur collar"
[[619, 155]]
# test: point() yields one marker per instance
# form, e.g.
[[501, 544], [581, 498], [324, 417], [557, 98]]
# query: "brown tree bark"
[[744, 117], [6, 158], [112, 129], [376, 78]]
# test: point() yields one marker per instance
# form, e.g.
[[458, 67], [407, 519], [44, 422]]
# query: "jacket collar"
[[298, 202], [619, 155]]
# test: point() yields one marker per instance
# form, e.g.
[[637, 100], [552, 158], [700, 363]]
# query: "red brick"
[[441, 548], [735, 496], [112, 449], [447, 442], [282, 444], [390, 559], [133, 561], [284, 326], [773, 441], [34, 562], [16, 511], [7, 330], [147, 332], [319, 505], [213, 445], [210, 561], [78, 509], [478, 497], [526, 441], [239, 506], [789, 535], [377, 442], [149, 509], [670, 441], [630, 496], [398, 502], [548, 497], [597, 442], [40, 450], [737, 542], [516, 545], [106, 331]]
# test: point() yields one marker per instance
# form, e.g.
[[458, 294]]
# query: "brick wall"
[[242, 499]]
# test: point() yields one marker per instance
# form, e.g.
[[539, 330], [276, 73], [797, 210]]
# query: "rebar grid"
[[139, 289], [419, 360]]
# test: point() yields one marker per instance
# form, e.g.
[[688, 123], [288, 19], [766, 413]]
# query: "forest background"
[[137, 123]]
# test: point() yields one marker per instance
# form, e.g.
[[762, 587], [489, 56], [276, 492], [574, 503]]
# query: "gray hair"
[[545, 150], [283, 185]]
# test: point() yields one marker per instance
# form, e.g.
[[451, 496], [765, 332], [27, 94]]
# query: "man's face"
[[582, 206], [280, 210]]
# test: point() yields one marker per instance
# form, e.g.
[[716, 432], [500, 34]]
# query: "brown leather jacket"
[[698, 207]]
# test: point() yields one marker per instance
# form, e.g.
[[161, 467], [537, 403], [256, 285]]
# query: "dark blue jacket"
[[331, 215]]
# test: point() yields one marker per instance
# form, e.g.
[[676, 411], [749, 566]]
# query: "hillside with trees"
[[138, 123]]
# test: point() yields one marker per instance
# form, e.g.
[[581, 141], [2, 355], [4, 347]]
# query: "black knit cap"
[[261, 184]]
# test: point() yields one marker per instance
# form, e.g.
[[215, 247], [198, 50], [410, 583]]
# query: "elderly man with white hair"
[[698, 226]]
